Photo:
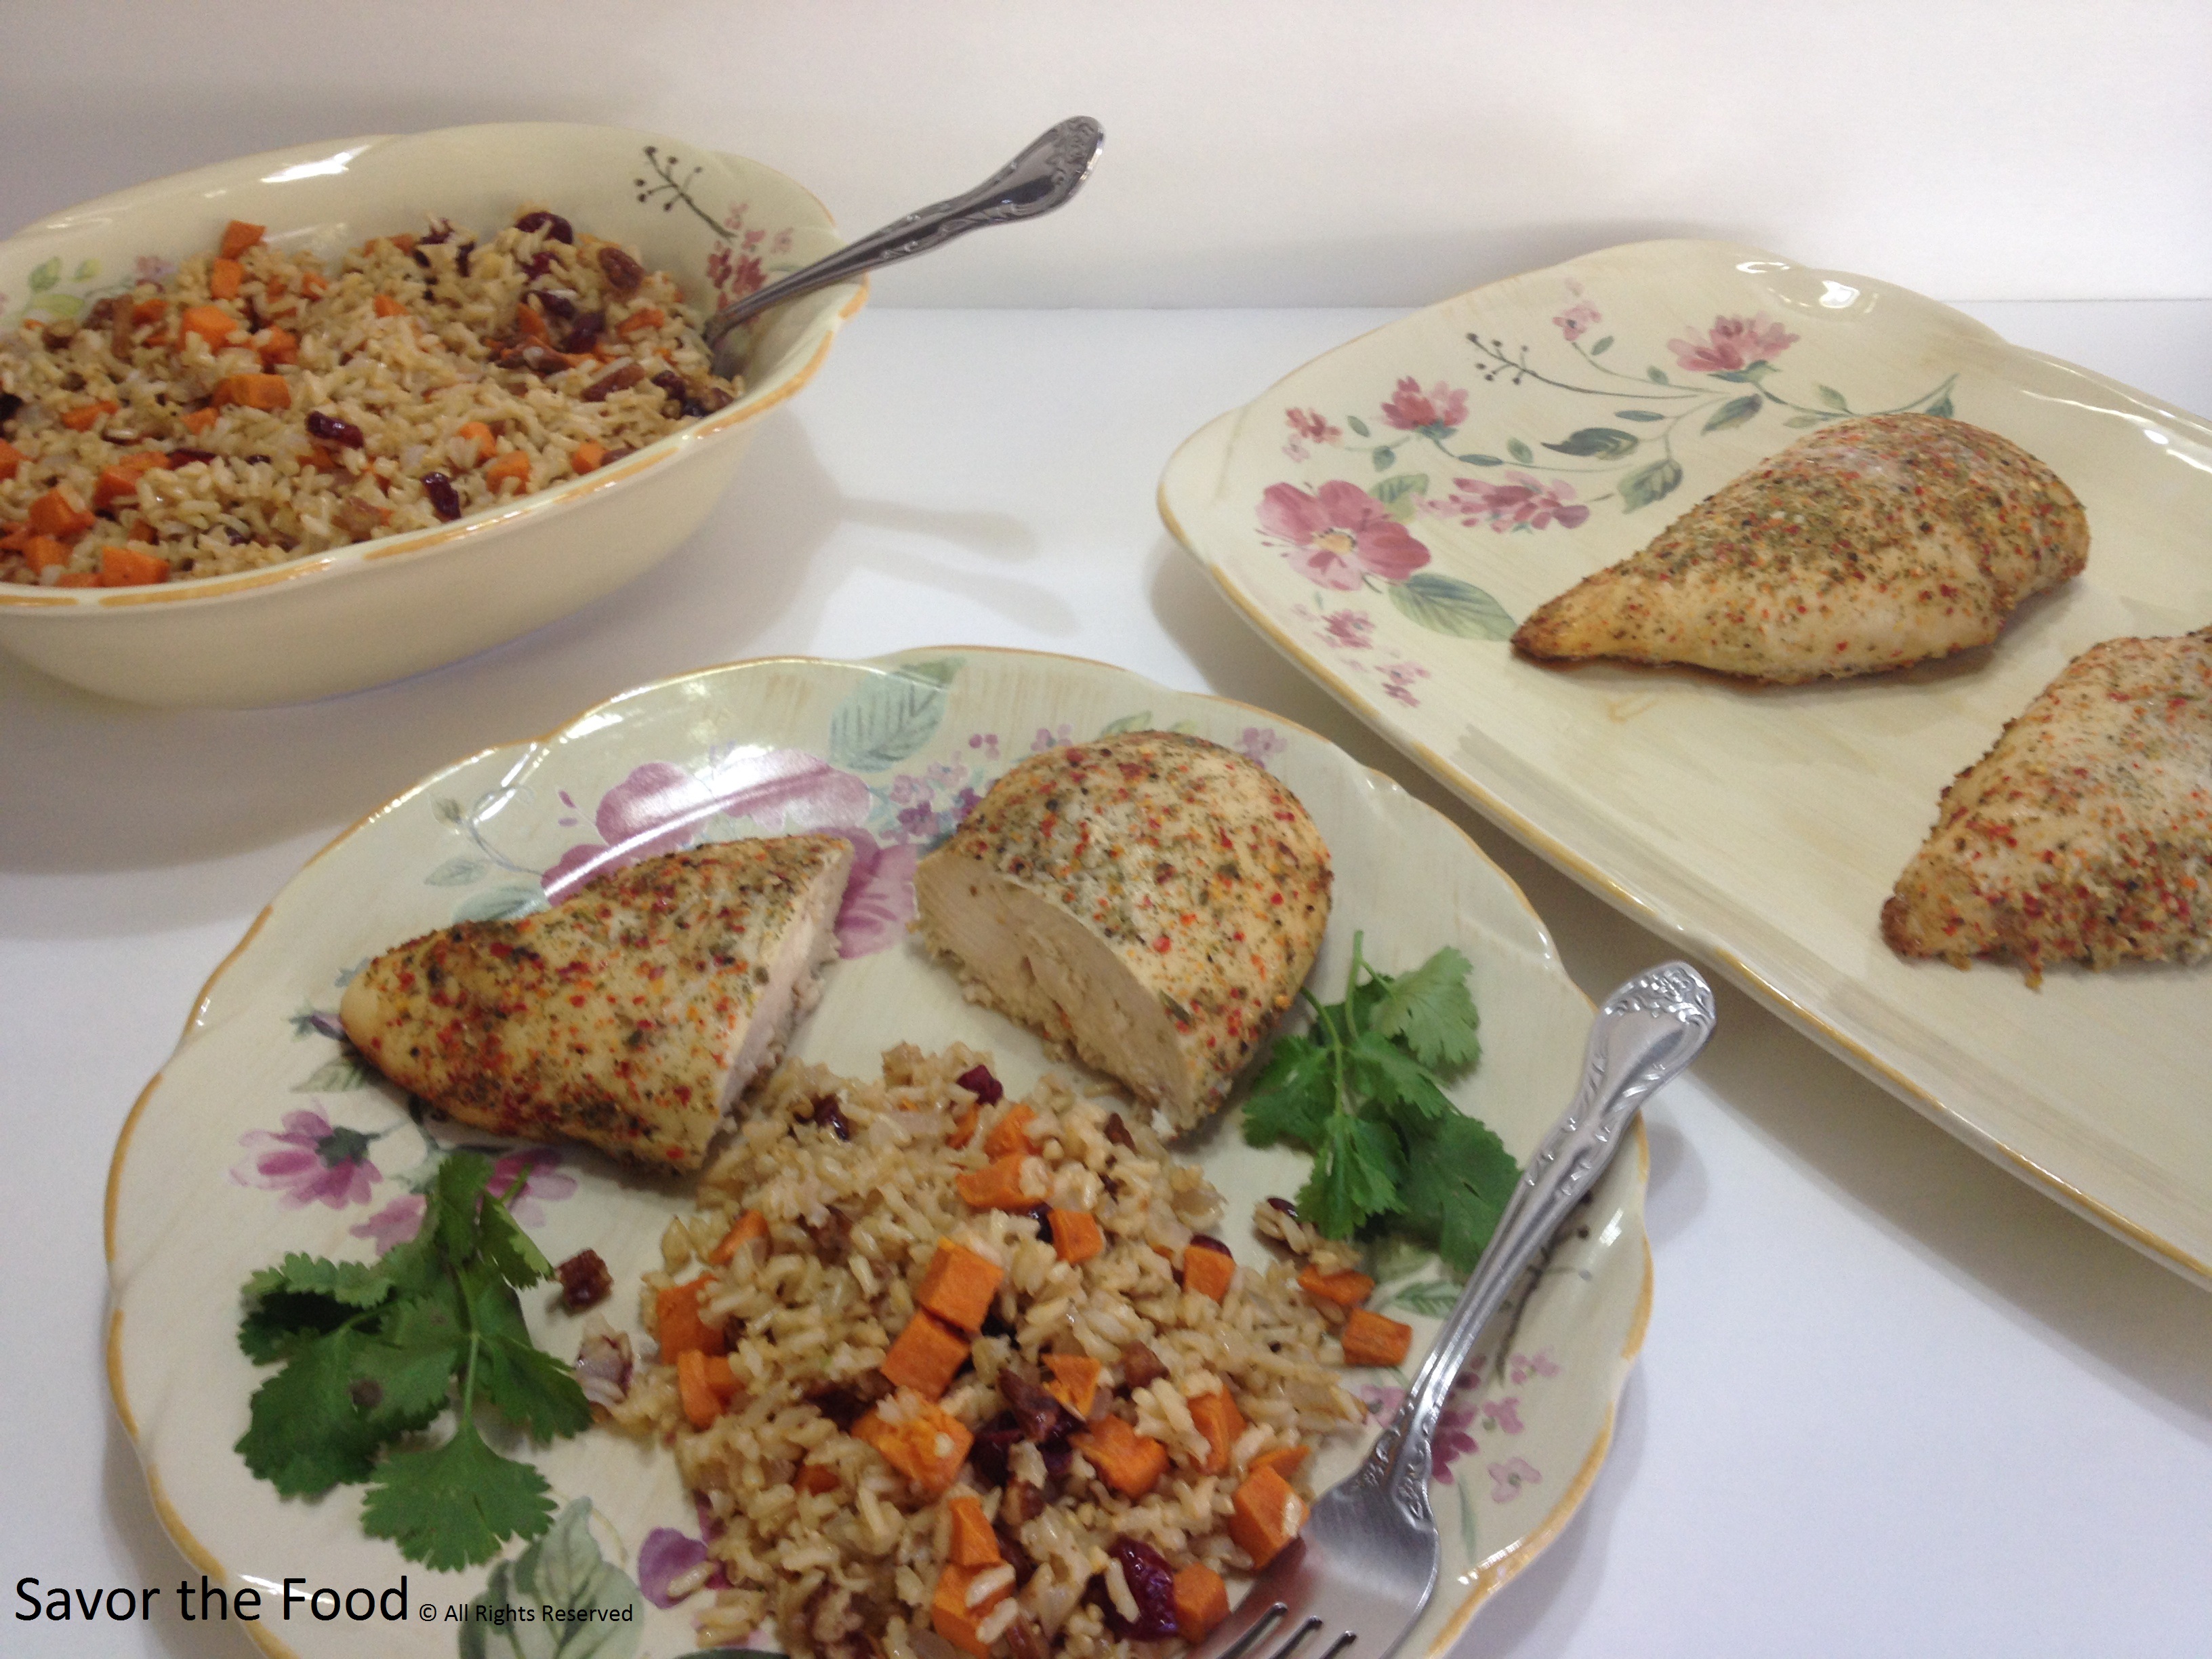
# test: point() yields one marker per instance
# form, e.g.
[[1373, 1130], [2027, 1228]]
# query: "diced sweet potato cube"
[[706, 1384], [1220, 1422], [997, 1185], [1074, 1381], [679, 1324], [951, 1616], [131, 567], [211, 323], [815, 1479], [58, 513], [515, 464], [1286, 1460], [959, 1285], [1130, 1462], [751, 1228], [281, 346], [200, 420], [1343, 1288], [225, 278], [1076, 1236], [265, 392], [85, 416], [10, 458], [1208, 1272], [238, 236], [1010, 1132], [1264, 1516], [42, 552], [481, 436], [974, 1544], [384, 306], [1371, 1339], [963, 1131], [1201, 1601], [121, 482], [588, 457], [927, 1446], [927, 1355], [77, 578]]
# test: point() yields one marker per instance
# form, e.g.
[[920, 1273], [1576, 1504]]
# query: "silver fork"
[[1364, 1568]]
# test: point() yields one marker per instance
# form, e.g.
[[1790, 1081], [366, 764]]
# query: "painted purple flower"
[[1047, 738], [660, 807], [1577, 319], [1522, 1367], [1438, 409], [396, 1223], [1351, 630], [1523, 503], [985, 741], [308, 1161], [1313, 426], [1452, 1442], [878, 896], [545, 1181], [1507, 1478], [1398, 678], [1340, 535], [1503, 1415], [666, 1556], [1733, 343], [1260, 744]]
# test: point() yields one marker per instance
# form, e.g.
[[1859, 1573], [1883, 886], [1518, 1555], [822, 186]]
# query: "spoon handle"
[[1647, 1031], [1045, 175]]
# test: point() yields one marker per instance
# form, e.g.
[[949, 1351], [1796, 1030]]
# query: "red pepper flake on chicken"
[[1152, 900]]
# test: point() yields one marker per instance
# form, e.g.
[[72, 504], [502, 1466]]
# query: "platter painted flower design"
[[1387, 513], [264, 1135]]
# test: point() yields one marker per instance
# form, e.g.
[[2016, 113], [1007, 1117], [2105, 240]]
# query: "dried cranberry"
[[556, 302], [541, 262], [332, 431], [847, 1402], [585, 1280], [1118, 1133], [1041, 1214], [444, 232], [1151, 1587], [1285, 1206], [584, 333], [419, 258], [186, 457], [672, 383], [538, 360], [10, 403], [977, 1080], [1043, 1418], [1011, 1550], [1141, 1366], [1208, 1241], [551, 223], [445, 501], [461, 257], [993, 1441], [619, 379], [826, 1115], [624, 273]]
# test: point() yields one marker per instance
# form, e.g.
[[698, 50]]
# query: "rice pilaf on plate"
[[253, 407], [950, 1371]]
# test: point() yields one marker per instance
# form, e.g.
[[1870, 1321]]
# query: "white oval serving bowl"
[[358, 615]]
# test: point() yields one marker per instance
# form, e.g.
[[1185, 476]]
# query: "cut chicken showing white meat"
[[1152, 900], [1867, 545], [630, 1015]]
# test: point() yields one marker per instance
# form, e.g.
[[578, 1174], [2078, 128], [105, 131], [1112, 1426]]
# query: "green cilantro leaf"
[[450, 1218], [1460, 1178], [1430, 1010], [412, 1366], [1394, 1080], [455, 1505], [509, 1249], [354, 1283], [305, 1432], [1293, 1097], [1357, 1170], [281, 1323]]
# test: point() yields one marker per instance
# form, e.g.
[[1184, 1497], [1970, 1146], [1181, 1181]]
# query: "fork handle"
[[1646, 1031]]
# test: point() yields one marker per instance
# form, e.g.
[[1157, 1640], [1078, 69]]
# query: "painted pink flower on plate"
[[1452, 1441], [1522, 1367], [1503, 1415], [1340, 535], [1733, 343], [396, 1223], [1577, 320], [308, 1161], [1522, 503], [1510, 1478], [1312, 425], [1398, 679], [1349, 630], [546, 1182], [878, 895], [1411, 409]]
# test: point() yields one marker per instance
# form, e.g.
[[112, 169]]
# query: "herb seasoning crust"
[[2085, 834], [1869, 545]]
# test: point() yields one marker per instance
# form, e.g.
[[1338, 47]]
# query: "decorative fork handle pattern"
[[1044, 175], [1646, 1031]]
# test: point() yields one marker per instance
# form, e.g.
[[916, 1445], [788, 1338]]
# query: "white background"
[[1893, 1400]]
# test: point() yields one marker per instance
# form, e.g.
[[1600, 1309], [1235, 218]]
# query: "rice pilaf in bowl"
[[224, 487]]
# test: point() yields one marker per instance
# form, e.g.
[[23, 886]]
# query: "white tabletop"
[[1892, 1400]]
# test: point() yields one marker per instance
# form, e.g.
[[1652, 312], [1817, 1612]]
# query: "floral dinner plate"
[[262, 1135], [1387, 513]]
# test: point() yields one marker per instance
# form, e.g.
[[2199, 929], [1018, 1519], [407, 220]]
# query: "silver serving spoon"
[[1041, 178]]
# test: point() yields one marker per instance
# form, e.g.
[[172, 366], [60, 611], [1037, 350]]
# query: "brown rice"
[[855, 1180], [411, 385]]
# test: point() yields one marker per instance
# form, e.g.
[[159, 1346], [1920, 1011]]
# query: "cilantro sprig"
[[1362, 1089], [376, 1351]]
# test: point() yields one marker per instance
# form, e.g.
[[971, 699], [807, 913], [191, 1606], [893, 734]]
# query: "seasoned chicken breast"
[[630, 1015], [2085, 834], [1152, 900], [1867, 544]]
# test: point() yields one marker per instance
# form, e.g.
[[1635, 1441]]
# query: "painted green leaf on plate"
[[1445, 604]]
